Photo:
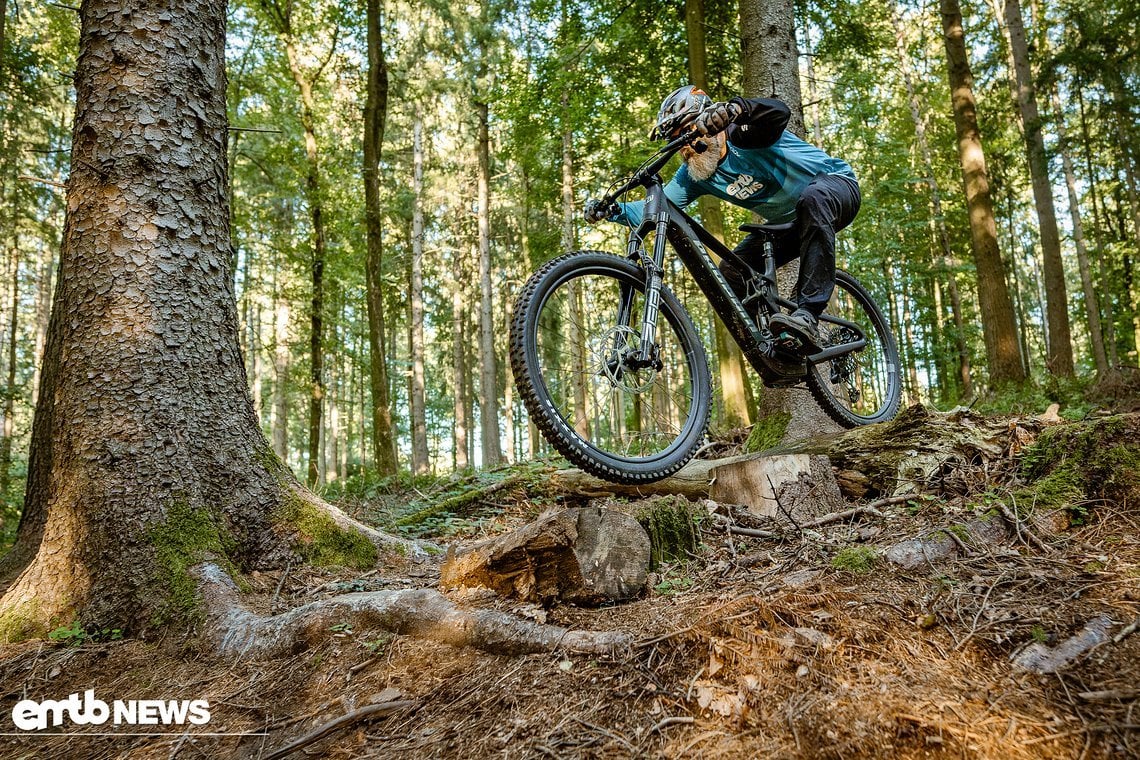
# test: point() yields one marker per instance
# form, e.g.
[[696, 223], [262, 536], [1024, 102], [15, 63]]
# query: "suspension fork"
[[656, 216]]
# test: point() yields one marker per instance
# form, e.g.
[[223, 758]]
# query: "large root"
[[381, 540], [238, 633]]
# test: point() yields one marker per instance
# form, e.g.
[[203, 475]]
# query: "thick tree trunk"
[[146, 453], [420, 464], [946, 253], [375, 115], [488, 384], [771, 69], [998, 327], [1060, 348]]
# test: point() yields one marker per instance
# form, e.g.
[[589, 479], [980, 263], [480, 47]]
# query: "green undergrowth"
[[460, 504], [1070, 394]]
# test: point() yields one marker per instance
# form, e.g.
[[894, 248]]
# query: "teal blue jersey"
[[764, 174]]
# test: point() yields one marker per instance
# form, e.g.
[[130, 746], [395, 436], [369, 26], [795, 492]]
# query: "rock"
[[583, 556]]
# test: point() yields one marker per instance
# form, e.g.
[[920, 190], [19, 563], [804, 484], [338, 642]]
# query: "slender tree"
[[375, 115], [280, 13], [488, 383], [998, 326], [420, 463], [1060, 346]]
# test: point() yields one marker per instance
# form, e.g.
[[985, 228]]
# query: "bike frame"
[[693, 244]]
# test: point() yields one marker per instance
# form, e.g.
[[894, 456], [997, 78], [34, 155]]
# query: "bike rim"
[[631, 415]]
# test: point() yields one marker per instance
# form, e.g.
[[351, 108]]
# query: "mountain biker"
[[748, 159]]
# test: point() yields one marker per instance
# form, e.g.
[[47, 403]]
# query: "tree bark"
[[1105, 279], [375, 115], [420, 463], [738, 408], [488, 384], [771, 69], [146, 452], [10, 388], [459, 372], [1092, 303], [1059, 357], [998, 327]]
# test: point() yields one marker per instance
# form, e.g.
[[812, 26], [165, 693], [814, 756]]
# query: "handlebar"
[[653, 166]]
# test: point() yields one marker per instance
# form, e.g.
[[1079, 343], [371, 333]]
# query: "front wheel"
[[863, 386], [575, 345]]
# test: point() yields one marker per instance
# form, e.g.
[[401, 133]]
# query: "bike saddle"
[[766, 229]]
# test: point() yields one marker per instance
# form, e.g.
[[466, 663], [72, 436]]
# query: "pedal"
[[788, 344]]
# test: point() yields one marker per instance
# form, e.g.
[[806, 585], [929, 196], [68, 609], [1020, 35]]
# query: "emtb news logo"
[[30, 715]]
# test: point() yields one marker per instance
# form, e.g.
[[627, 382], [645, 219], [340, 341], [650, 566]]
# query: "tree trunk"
[[946, 253], [281, 382], [1092, 303], [459, 373], [375, 115], [10, 388], [998, 327], [420, 464], [317, 264], [770, 67], [1105, 280], [3, 21], [146, 453], [739, 409], [488, 385], [1059, 358]]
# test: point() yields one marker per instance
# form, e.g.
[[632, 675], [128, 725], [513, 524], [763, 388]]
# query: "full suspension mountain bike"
[[625, 395]]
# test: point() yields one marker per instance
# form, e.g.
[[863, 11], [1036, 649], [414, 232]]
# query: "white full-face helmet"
[[678, 111]]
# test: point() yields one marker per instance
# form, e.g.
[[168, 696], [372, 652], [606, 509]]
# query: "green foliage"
[[74, 634], [675, 580]]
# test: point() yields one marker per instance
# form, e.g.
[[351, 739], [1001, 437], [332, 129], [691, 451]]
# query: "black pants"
[[828, 204]]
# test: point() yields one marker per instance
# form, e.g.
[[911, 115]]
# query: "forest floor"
[[807, 646]]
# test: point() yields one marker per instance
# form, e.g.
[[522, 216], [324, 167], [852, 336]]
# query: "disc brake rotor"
[[611, 350]]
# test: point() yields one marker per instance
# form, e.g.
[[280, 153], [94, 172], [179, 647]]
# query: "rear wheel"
[[863, 386], [575, 341]]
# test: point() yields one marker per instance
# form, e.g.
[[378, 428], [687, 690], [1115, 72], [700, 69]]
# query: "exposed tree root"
[[383, 541], [238, 634]]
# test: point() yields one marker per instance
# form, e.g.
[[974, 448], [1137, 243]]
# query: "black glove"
[[596, 212], [716, 118]]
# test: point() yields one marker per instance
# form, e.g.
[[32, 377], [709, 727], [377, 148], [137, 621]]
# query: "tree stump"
[[797, 487], [583, 556]]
